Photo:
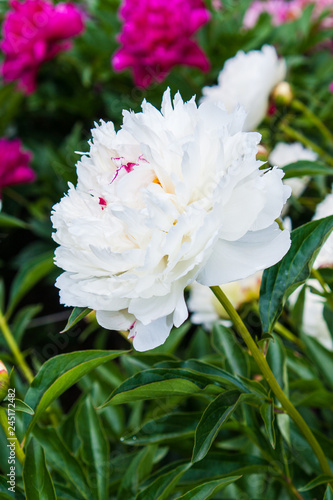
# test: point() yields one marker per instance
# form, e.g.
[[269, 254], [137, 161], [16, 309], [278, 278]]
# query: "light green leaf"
[[19, 406], [304, 167], [267, 413], [280, 280], [322, 479], [57, 375], [76, 315], [214, 416], [208, 490], [36, 477], [10, 221], [157, 383], [95, 448], [30, 273], [161, 488], [328, 493], [63, 460], [224, 341]]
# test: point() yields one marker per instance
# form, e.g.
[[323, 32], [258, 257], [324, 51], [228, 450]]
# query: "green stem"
[[5, 426], [270, 379], [12, 344], [282, 330], [299, 106], [294, 134], [316, 274]]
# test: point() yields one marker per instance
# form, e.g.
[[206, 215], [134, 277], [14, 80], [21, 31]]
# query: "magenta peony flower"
[[14, 163], [33, 32], [157, 35]]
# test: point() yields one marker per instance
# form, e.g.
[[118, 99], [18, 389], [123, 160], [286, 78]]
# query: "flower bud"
[[4, 381], [262, 153], [282, 94]]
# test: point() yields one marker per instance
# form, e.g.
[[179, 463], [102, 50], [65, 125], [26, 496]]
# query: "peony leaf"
[[225, 342], [322, 479], [305, 167], [57, 375], [163, 485], [63, 460], [211, 422], [208, 490], [267, 413], [156, 383], [6, 494], [76, 315], [19, 406], [139, 468], [95, 448], [328, 493], [10, 221], [38, 484], [320, 356], [280, 280]]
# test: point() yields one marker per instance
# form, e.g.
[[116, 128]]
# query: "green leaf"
[[138, 469], [304, 167], [10, 221], [280, 280], [22, 320], [276, 358], [95, 448], [157, 383], [177, 425], [267, 413], [224, 341], [76, 315], [322, 479], [214, 416], [328, 493], [63, 460], [321, 357], [208, 490], [58, 374], [19, 406], [161, 488], [30, 273], [36, 477], [6, 494]]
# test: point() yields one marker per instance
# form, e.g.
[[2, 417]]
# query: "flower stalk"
[[5, 426], [299, 106], [271, 380], [12, 344]]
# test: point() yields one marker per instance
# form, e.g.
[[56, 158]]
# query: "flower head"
[[34, 32], [248, 79], [14, 164], [157, 35], [172, 197]]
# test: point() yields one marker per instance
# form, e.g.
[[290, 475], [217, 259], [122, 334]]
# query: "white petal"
[[118, 320], [152, 335]]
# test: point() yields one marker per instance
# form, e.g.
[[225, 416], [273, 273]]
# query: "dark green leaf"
[[157, 383], [58, 374], [29, 274], [37, 480], [225, 342], [10, 221], [281, 280], [76, 315], [138, 469], [208, 490], [95, 448], [322, 358], [161, 488], [63, 460], [214, 416], [6, 494], [267, 413], [322, 479], [304, 167]]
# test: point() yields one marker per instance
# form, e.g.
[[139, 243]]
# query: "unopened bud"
[[4, 381], [282, 94], [262, 153]]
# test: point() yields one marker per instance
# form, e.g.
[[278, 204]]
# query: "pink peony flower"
[[35, 31], [157, 35], [14, 163], [331, 87]]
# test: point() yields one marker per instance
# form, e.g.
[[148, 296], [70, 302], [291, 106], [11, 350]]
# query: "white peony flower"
[[205, 307], [325, 256], [283, 154], [248, 79], [174, 196]]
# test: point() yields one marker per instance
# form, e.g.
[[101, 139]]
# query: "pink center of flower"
[[119, 162], [102, 202]]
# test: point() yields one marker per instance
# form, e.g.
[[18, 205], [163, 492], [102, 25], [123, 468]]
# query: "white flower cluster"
[[174, 196]]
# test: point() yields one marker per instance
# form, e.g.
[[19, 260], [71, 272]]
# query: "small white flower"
[[173, 197], [205, 307], [248, 79], [283, 154], [325, 256]]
